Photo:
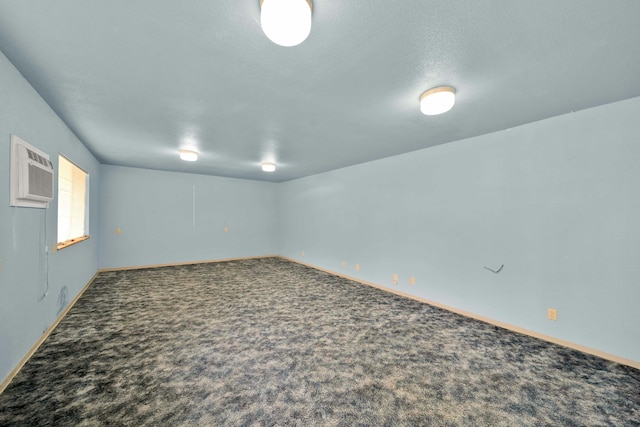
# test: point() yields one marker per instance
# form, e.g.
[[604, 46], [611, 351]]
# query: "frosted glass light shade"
[[189, 155], [268, 166], [286, 22], [437, 100]]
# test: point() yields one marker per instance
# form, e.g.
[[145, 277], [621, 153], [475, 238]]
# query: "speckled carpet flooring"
[[268, 342]]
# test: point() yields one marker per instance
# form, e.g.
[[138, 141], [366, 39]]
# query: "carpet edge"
[[175, 264], [534, 334], [5, 383]]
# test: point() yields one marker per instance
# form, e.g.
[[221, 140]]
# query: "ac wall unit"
[[31, 175]]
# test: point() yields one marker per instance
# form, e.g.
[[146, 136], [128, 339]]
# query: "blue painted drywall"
[[171, 217], [556, 201], [23, 318]]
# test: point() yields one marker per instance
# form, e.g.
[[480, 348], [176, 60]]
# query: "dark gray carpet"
[[268, 342]]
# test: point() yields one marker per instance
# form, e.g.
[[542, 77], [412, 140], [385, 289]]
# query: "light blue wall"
[[557, 202], [23, 318], [169, 217]]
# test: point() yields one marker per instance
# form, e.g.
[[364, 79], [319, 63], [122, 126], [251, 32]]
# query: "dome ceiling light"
[[189, 155], [286, 22], [437, 100], [268, 167]]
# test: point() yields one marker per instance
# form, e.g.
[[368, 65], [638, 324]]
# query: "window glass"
[[73, 218]]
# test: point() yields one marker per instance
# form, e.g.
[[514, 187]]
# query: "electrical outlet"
[[552, 314]]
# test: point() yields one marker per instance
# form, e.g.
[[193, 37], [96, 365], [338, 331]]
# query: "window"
[[73, 210]]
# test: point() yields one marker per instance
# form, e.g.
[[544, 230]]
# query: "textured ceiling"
[[137, 80]]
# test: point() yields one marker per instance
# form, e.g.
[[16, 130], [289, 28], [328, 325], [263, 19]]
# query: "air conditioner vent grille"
[[40, 182], [38, 158]]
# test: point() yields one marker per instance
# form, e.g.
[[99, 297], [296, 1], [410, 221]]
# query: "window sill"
[[71, 242]]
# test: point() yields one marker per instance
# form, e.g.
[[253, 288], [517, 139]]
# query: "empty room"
[[319, 213]]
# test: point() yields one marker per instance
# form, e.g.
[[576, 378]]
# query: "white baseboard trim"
[[588, 350], [175, 264], [44, 336]]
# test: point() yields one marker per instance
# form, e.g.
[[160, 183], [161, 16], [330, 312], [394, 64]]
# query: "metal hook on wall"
[[494, 271]]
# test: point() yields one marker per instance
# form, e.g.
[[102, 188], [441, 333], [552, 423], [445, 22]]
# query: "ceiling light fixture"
[[437, 100], [286, 22], [268, 166], [189, 155]]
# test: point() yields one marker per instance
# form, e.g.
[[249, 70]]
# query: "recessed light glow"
[[189, 155], [437, 100], [286, 22], [268, 166]]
